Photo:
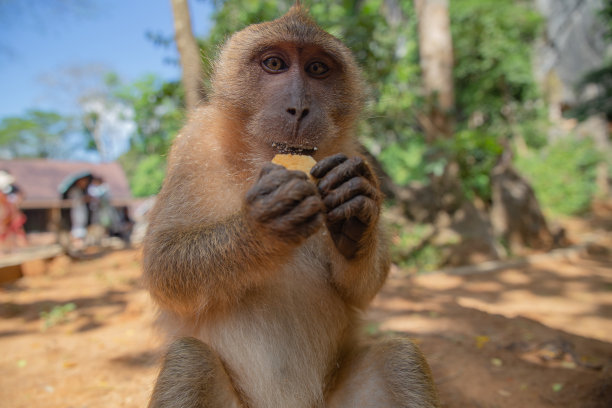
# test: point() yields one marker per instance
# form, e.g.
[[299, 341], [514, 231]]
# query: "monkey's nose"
[[302, 113]]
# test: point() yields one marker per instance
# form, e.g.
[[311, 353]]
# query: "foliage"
[[601, 103], [492, 42], [476, 152], [407, 249], [42, 134], [563, 174], [496, 94], [158, 113], [147, 176], [404, 161], [57, 315]]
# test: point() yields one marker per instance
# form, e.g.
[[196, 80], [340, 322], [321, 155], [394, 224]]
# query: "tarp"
[[71, 179]]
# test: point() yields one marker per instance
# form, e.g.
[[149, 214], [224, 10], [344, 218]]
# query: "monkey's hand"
[[284, 204], [352, 200]]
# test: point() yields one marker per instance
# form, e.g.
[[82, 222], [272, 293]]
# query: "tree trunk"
[[515, 214], [436, 58], [189, 53]]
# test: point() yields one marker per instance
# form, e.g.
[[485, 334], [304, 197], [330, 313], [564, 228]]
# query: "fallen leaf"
[[481, 341], [497, 362], [568, 364], [69, 364]]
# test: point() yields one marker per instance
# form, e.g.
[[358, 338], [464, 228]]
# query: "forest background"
[[479, 149]]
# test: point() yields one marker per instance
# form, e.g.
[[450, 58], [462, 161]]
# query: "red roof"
[[40, 178]]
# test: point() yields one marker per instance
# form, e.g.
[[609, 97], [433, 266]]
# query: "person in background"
[[79, 212], [5, 220], [103, 215], [115, 223], [12, 233]]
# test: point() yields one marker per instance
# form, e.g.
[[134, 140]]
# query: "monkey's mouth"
[[284, 148]]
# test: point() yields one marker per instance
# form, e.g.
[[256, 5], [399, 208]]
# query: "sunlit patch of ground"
[[81, 334]]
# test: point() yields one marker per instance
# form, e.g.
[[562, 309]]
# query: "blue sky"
[[39, 40]]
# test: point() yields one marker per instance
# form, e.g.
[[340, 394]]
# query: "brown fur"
[[263, 273]]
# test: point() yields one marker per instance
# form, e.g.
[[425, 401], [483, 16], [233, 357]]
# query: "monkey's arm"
[[360, 278], [192, 264], [352, 200]]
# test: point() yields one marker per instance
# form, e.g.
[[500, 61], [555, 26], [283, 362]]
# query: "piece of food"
[[295, 162]]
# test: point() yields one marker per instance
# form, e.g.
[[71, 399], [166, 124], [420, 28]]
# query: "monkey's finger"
[[267, 168], [280, 178], [301, 221], [286, 197], [349, 189], [304, 211], [361, 207], [352, 167], [271, 179], [274, 169], [311, 224], [324, 166]]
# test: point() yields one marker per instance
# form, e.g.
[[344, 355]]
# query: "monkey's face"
[[297, 86], [294, 87]]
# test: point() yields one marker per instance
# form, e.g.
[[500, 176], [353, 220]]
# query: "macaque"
[[261, 272]]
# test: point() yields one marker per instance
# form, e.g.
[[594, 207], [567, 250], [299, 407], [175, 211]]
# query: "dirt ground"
[[533, 335]]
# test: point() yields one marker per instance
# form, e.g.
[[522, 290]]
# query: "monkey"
[[261, 274]]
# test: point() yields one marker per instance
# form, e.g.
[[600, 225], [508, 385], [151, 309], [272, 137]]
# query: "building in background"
[[40, 179]]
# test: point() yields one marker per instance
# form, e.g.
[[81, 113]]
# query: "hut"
[[40, 179]]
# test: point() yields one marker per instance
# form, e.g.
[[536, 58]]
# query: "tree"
[[106, 119], [40, 134], [189, 52], [157, 114], [496, 105], [436, 52]]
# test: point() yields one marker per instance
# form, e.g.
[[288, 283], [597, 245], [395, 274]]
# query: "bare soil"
[[537, 335]]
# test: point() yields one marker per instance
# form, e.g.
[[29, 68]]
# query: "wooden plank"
[[30, 254], [10, 273]]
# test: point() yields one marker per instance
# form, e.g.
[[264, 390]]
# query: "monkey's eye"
[[317, 69], [274, 65]]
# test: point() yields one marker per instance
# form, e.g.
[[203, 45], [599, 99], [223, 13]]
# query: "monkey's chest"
[[282, 344]]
